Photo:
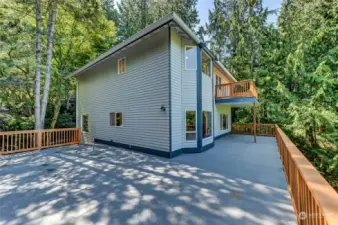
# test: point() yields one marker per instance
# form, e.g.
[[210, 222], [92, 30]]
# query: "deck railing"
[[29, 140], [248, 128], [245, 88], [314, 200]]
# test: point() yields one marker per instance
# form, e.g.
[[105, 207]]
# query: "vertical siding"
[[177, 118], [138, 93]]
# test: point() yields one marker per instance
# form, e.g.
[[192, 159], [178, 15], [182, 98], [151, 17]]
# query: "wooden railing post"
[[39, 139], [3, 143]]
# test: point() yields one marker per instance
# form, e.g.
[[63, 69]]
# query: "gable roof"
[[173, 17]]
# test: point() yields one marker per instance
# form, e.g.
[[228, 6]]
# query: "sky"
[[203, 7]]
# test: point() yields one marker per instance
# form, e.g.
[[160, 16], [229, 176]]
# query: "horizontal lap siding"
[[207, 100], [177, 118], [224, 109], [189, 93], [138, 93]]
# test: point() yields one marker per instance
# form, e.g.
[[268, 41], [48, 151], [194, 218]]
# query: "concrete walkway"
[[236, 182]]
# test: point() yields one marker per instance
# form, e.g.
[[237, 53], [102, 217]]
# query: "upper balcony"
[[244, 88], [238, 93]]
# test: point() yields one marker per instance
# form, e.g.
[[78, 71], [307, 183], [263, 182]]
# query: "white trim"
[[221, 121], [185, 126], [116, 119], [118, 65], [185, 56], [211, 123]]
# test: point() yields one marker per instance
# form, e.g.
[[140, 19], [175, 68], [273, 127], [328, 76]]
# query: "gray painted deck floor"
[[236, 182]]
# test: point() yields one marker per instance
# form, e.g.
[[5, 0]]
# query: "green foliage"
[[294, 66], [133, 15], [327, 163], [81, 33]]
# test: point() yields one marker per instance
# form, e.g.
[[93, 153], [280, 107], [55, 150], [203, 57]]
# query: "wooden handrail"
[[314, 200], [248, 128], [244, 88], [29, 140]]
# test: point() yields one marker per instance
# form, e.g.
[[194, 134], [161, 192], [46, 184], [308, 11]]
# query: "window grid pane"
[[190, 125], [190, 136], [119, 119], [224, 121], [190, 58], [190, 120], [112, 119], [85, 123], [206, 64], [207, 128]]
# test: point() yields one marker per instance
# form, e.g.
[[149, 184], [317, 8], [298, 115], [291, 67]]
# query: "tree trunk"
[[57, 103], [37, 64], [56, 110], [52, 7]]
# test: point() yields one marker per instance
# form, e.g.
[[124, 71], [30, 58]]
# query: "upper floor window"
[[206, 64], [121, 65], [190, 58], [116, 119]]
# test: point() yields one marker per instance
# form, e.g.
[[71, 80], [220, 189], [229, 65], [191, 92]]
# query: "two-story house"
[[161, 91]]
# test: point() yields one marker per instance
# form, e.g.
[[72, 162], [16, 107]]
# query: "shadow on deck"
[[236, 182]]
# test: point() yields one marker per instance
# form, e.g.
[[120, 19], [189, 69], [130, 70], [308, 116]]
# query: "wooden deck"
[[313, 199], [99, 184]]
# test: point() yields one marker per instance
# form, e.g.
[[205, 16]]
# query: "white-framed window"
[[116, 119], [190, 58], [85, 123], [121, 65], [224, 121], [190, 125], [207, 124], [206, 64]]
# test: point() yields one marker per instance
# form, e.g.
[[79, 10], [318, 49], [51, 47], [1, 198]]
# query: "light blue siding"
[[138, 93], [176, 91], [207, 98]]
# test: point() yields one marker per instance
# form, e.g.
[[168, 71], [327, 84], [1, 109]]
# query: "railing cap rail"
[[324, 194], [36, 131]]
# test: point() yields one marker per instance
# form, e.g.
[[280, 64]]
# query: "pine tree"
[[134, 15]]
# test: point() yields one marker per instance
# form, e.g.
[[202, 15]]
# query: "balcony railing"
[[245, 88]]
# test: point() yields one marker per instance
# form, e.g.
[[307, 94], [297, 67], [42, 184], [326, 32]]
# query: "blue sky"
[[203, 7]]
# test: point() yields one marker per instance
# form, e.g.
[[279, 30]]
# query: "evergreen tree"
[[134, 15]]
